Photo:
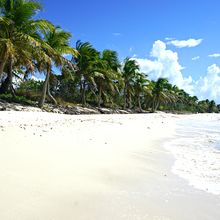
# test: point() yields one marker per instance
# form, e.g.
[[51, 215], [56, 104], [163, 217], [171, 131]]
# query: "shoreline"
[[196, 152], [108, 167]]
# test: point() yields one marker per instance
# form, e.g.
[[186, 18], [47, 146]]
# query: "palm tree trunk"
[[45, 88], [4, 86], [100, 97], [10, 73], [2, 66], [7, 84], [125, 96], [153, 105], [129, 101], [80, 89], [50, 95], [139, 103], [125, 102], [83, 95], [157, 106]]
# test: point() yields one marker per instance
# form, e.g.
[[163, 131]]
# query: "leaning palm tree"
[[18, 35], [111, 58], [161, 93], [141, 88], [55, 44], [108, 77], [129, 71], [87, 64]]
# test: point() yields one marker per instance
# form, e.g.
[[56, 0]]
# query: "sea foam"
[[196, 149]]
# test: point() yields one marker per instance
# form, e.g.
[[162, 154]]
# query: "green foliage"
[[30, 89], [68, 90], [16, 99]]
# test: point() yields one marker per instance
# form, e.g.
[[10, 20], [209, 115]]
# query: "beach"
[[98, 167]]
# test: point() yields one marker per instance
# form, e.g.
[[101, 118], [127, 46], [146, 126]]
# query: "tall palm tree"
[[141, 88], [18, 35], [203, 106], [212, 107], [108, 77], [87, 64], [161, 93], [56, 44], [129, 71]]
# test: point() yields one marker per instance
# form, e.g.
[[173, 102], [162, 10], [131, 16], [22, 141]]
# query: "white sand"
[[101, 167]]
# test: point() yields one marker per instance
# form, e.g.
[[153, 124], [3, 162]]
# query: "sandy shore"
[[97, 167]]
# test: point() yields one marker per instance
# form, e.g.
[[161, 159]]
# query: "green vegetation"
[[16, 99], [29, 46]]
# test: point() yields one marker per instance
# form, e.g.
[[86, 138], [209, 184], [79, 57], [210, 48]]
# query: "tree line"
[[90, 77]]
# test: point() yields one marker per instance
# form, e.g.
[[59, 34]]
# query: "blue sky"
[[134, 27]]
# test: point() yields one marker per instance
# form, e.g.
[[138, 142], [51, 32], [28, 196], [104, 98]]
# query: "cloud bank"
[[165, 63], [209, 85]]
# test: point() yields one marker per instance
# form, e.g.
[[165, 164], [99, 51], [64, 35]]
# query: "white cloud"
[[116, 34], [196, 58], [185, 43], [209, 85], [165, 64], [214, 55]]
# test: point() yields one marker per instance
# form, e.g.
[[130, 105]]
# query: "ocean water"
[[196, 149]]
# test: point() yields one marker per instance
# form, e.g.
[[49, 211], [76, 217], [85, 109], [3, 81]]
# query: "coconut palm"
[[141, 88], [107, 76], [55, 45], [18, 35], [129, 71], [162, 93], [87, 64]]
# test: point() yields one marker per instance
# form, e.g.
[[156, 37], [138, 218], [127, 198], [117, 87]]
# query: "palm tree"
[[56, 44], [141, 88], [129, 72], [87, 64], [212, 107], [161, 93], [18, 35], [111, 58], [107, 76], [203, 106]]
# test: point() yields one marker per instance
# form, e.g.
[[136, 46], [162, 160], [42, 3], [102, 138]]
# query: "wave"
[[197, 154]]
